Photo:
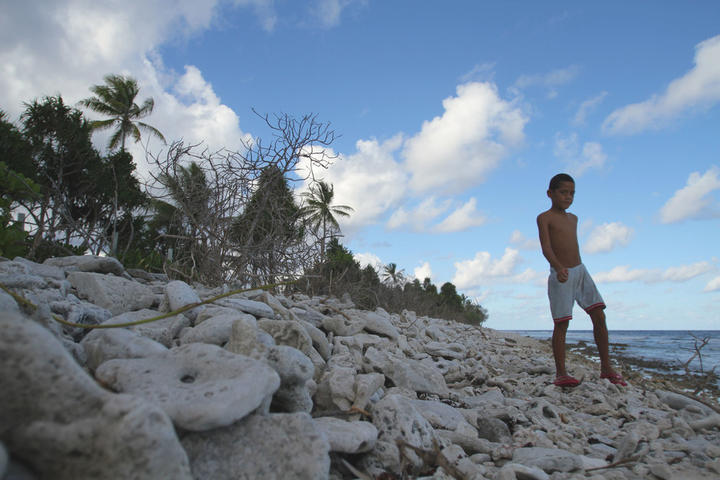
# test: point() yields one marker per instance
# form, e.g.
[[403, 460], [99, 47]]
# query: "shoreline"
[[643, 371]]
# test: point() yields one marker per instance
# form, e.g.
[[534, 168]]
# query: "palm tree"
[[393, 276], [116, 99], [319, 211]]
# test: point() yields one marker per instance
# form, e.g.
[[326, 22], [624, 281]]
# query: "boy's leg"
[[601, 339], [558, 345]]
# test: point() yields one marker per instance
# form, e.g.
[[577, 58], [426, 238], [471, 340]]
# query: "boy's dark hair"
[[558, 179]]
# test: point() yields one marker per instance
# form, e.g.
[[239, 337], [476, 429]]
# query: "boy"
[[569, 281]]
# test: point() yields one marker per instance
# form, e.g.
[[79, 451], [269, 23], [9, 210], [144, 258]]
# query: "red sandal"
[[614, 378], [566, 381]]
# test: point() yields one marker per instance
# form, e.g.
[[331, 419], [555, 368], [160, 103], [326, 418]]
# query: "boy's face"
[[562, 197]]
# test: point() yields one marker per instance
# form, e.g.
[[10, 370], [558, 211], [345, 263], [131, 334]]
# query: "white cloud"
[[461, 219], [423, 271], [713, 285], [578, 161], [524, 243], [418, 218], [458, 149], [678, 274], [369, 180], [698, 88], [687, 272], [483, 268], [560, 76], [83, 40], [365, 259], [694, 200], [621, 274], [329, 12], [608, 236], [586, 107]]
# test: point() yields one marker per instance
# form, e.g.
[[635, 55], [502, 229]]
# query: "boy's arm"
[[546, 245]]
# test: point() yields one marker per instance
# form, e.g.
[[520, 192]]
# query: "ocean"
[[664, 350]]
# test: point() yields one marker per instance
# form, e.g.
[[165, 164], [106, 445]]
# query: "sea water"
[[671, 347]]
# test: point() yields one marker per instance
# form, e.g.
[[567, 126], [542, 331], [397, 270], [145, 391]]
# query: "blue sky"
[[452, 117]]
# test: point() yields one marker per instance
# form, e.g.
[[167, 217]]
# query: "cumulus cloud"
[[550, 81], [483, 268], [587, 107], [418, 218], [461, 219], [458, 149], [423, 271], [678, 274], [365, 259], [698, 88], [422, 217], [369, 180], [694, 200], [524, 243], [329, 12], [83, 40], [608, 236], [578, 160], [713, 285]]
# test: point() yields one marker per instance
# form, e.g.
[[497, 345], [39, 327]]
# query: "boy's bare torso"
[[558, 231]]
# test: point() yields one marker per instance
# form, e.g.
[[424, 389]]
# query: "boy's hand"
[[562, 275]]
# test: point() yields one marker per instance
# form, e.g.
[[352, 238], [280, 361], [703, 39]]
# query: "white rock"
[[63, 411], [276, 446], [116, 294], [8, 305], [199, 386], [366, 384], [216, 330], [417, 376], [343, 325], [678, 402], [39, 269], [87, 263], [336, 389], [347, 437], [105, 344], [548, 459], [258, 309], [441, 415], [179, 294], [397, 420], [319, 340], [513, 471], [163, 331], [295, 370], [378, 323], [287, 332], [446, 350]]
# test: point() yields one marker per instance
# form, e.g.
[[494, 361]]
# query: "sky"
[[451, 118]]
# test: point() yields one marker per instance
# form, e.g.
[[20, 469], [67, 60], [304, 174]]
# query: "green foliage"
[[116, 99], [320, 213], [13, 187], [341, 274], [268, 226]]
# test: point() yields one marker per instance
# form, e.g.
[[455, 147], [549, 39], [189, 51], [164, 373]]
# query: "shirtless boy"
[[569, 281]]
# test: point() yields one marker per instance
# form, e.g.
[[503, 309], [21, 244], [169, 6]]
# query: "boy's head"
[[558, 179], [561, 191]]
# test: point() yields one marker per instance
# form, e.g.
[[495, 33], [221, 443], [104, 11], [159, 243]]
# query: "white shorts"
[[579, 288]]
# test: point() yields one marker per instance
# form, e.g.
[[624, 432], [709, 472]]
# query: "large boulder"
[[57, 420]]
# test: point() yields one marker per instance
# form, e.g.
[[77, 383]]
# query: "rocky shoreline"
[[261, 385]]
